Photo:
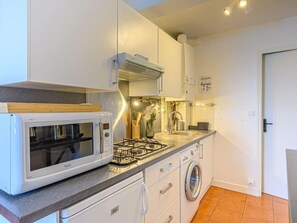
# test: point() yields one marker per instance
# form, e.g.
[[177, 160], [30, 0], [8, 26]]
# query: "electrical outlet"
[[251, 181]]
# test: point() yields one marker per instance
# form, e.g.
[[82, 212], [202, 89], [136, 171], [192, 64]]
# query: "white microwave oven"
[[38, 149]]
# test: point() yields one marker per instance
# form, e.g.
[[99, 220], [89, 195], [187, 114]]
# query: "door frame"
[[261, 55]]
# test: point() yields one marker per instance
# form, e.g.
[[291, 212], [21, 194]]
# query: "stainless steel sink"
[[186, 133], [179, 135]]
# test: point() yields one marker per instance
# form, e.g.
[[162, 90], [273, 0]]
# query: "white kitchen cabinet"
[[161, 169], [122, 202], [169, 85], [163, 183], [206, 162], [170, 215], [62, 45], [136, 34], [170, 56]]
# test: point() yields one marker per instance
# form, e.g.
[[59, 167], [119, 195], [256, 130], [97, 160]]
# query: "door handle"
[[265, 124], [145, 201], [165, 169], [170, 185]]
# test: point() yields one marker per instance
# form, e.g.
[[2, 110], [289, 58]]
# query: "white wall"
[[232, 59]]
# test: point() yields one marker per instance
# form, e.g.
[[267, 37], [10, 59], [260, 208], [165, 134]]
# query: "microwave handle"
[[101, 149]]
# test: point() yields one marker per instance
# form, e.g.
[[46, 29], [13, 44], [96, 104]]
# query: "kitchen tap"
[[169, 122]]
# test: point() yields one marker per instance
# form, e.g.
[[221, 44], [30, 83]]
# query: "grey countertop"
[[39, 203]]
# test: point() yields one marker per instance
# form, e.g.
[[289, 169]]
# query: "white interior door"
[[280, 108]]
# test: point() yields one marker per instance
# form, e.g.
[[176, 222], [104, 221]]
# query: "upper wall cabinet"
[[169, 85], [58, 44], [170, 55], [137, 35]]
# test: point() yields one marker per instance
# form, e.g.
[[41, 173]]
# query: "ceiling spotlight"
[[227, 10], [242, 3]]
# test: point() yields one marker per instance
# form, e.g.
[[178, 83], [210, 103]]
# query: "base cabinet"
[[206, 162], [122, 202], [171, 214], [163, 180]]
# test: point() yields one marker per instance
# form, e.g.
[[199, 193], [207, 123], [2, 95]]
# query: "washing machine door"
[[193, 181]]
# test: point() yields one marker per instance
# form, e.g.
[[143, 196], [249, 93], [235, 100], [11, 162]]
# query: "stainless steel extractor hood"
[[137, 68]]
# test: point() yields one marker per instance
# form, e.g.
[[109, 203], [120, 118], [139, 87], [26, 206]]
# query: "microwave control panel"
[[106, 128]]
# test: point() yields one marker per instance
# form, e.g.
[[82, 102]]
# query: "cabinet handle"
[[170, 165], [141, 57], [115, 78], [161, 84], [201, 151], [145, 201], [101, 138], [170, 218], [170, 185]]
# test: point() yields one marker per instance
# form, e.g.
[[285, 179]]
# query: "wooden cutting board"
[[16, 107]]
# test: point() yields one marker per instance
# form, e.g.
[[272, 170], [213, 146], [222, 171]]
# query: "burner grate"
[[130, 150]]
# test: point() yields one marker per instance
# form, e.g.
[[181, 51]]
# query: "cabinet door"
[[206, 161], [162, 195], [169, 85], [73, 42], [171, 214], [170, 58], [137, 35], [123, 206]]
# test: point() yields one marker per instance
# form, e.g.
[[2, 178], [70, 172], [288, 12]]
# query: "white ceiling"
[[203, 17]]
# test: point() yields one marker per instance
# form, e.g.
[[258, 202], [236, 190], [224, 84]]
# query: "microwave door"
[[55, 144]]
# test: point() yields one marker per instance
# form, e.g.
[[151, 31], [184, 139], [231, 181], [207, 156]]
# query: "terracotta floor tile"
[[228, 194], [277, 199], [264, 201], [207, 206], [232, 205], [200, 218], [264, 213], [225, 206], [214, 193], [280, 208], [225, 216], [281, 212], [250, 220]]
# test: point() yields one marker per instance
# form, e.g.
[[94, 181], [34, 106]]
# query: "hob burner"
[[129, 151]]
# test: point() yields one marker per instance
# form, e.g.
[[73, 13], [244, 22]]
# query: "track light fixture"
[[242, 4], [227, 10]]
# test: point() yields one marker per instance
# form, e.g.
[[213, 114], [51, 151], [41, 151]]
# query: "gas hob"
[[130, 150]]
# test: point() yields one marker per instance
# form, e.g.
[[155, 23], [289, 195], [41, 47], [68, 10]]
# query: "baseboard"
[[237, 187]]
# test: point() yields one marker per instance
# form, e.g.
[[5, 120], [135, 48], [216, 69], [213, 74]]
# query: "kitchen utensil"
[[180, 125], [135, 130], [138, 118], [202, 125]]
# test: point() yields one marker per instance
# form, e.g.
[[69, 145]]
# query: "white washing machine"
[[191, 180]]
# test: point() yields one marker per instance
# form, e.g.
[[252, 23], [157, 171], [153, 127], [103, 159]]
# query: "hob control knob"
[[106, 134]]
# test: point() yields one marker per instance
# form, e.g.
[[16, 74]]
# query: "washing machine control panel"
[[190, 153]]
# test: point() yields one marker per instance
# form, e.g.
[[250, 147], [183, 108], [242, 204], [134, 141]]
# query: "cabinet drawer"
[[171, 214], [154, 173], [162, 195]]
